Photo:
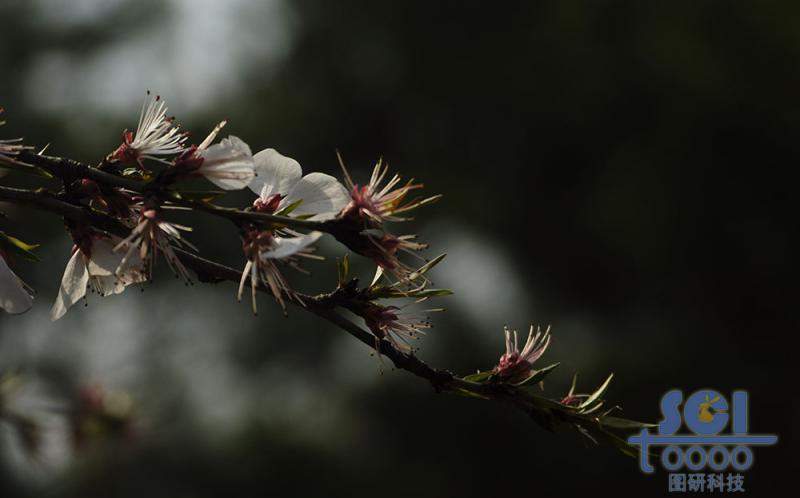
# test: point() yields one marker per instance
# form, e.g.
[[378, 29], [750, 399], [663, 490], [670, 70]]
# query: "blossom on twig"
[[395, 324], [94, 264], [156, 134], [151, 236], [373, 204], [515, 365], [263, 249], [282, 189], [228, 164], [383, 250], [9, 148]]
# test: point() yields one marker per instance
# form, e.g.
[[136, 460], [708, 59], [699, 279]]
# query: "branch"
[[70, 170], [582, 415], [211, 272]]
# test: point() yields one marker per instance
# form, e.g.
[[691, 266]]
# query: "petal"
[[283, 247], [107, 285], [104, 260], [276, 173], [14, 298], [73, 286], [322, 195], [228, 164]]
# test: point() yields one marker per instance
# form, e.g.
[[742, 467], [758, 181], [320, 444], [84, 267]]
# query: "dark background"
[[623, 171]]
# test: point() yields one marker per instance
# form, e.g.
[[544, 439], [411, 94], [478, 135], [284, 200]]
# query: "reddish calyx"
[[269, 205]]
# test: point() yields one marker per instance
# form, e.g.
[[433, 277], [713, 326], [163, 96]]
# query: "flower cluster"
[[118, 218], [106, 264], [372, 205], [282, 189]]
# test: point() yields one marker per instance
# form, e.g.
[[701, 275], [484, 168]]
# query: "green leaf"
[[25, 168], [291, 207], [468, 394], [388, 293], [200, 195], [343, 267], [596, 395], [539, 375], [478, 377], [16, 246], [137, 174], [427, 267], [623, 423]]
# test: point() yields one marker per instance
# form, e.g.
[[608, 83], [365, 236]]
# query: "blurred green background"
[[623, 171]]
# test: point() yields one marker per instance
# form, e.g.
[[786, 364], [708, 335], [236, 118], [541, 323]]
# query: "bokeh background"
[[623, 171]]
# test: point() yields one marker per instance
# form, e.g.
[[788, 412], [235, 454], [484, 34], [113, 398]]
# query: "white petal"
[[322, 195], [228, 164], [276, 173], [107, 285], [283, 247], [73, 286], [104, 260], [14, 298]]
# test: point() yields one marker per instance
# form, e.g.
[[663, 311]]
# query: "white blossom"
[[156, 134], [98, 270], [281, 188], [263, 249]]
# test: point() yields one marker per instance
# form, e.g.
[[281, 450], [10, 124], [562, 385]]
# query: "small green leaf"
[[343, 267], [468, 394], [623, 423], [596, 395], [539, 375], [199, 195], [288, 209], [137, 174], [427, 267], [11, 164], [478, 377], [16, 246]]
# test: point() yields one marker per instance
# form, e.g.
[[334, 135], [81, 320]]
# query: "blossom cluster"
[[106, 264]]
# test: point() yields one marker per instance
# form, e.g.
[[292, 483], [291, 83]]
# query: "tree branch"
[[544, 411]]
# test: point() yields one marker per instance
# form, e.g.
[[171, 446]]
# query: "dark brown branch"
[[545, 412], [210, 271], [69, 170]]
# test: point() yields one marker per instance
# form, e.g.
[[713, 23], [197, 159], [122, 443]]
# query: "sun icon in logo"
[[706, 415]]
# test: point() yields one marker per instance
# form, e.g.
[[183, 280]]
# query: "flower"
[[383, 251], [394, 324], [283, 189], [151, 236], [228, 164], [156, 135], [10, 148], [515, 365], [94, 264], [372, 204], [263, 248], [15, 295]]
